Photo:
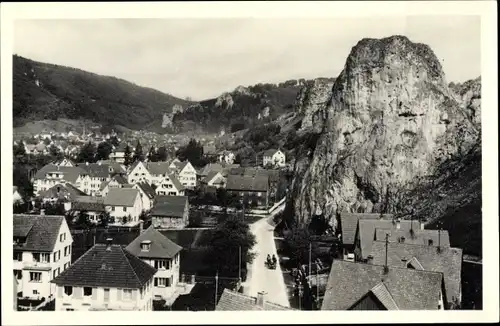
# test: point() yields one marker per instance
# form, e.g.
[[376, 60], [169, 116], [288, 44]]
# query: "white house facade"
[[124, 202], [274, 157], [42, 250], [138, 173]]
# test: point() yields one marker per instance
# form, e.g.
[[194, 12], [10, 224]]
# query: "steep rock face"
[[168, 116], [391, 117], [311, 101], [469, 94]]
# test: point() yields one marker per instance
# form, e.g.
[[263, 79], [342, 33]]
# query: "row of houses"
[[272, 157], [391, 264], [107, 277]]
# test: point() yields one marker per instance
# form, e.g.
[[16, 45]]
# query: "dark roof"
[[161, 246], [88, 206], [40, 231], [366, 230], [100, 267], [120, 179], [349, 223], [418, 237], [70, 173], [410, 289], [148, 190], [446, 260], [272, 174], [171, 206], [247, 183], [97, 170], [235, 301], [211, 175], [209, 150], [62, 191], [211, 167], [270, 152], [158, 167], [121, 197]]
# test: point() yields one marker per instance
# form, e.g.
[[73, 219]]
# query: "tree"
[[114, 141], [19, 150], [82, 220], [128, 153], [103, 150], [193, 152], [105, 219], [47, 141], [56, 208], [152, 154], [161, 154], [224, 243], [318, 225], [87, 153], [22, 180], [297, 246], [55, 152], [237, 159], [138, 154]]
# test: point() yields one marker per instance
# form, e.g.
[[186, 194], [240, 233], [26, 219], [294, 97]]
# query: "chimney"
[[42, 211], [398, 224], [109, 242], [261, 298]]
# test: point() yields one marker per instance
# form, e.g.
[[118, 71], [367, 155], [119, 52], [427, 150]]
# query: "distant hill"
[[244, 107], [43, 91]]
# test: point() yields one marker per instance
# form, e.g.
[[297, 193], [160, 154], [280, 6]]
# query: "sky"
[[202, 58]]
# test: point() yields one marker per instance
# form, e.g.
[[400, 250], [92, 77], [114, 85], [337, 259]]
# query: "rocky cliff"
[[391, 118], [311, 101], [469, 94]]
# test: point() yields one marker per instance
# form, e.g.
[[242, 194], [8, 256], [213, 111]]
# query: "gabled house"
[[117, 181], [163, 254], [170, 186], [63, 192], [214, 180], [359, 286], [106, 277], [65, 161], [51, 174], [186, 174], [16, 196], [431, 238], [42, 250], [94, 175], [158, 171], [147, 194], [227, 157], [92, 206], [124, 202], [235, 301], [365, 233], [209, 150], [138, 172], [444, 260], [274, 157], [170, 212], [252, 190], [118, 154], [348, 227]]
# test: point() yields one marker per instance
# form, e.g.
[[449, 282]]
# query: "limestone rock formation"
[[168, 116], [311, 101], [469, 94], [224, 101], [390, 118]]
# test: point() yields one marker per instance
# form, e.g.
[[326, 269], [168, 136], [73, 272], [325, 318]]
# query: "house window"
[[106, 295], [35, 276], [18, 274], [124, 208], [18, 256], [161, 264], [35, 292], [113, 208], [66, 266], [87, 291], [68, 290], [45, 258], [36, 257], [127, 294], [55, 274], [162, 281]]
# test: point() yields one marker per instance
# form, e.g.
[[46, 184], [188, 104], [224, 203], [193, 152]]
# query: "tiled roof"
[[148, 190], [88, 206], [384, 296], [169, 206], [211, 167], [176, 182], [161, 246], [62, 191], [41, 231], [96, 170], [70, 173], [114, 268], [157, 168], [273, 175], [418, 237], [120, 179], [446, 260], [349, 223], [366, 230], [270, 152], [410, 289], [210, 176], [121, 197], [247, 183], [234, 301]]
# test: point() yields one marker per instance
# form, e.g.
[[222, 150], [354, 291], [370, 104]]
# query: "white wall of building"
[[169, 269]]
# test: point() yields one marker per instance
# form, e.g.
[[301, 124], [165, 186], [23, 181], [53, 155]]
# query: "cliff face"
[[469, 94], [391, 118], [310, 103]]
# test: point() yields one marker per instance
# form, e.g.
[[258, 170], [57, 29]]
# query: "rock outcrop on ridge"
[[391, 118]]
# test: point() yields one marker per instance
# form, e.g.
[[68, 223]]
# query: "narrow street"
[[260, 278]]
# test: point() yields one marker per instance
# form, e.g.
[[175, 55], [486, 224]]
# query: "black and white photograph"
[[248, 163]]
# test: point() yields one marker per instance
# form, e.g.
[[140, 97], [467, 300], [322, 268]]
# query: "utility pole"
[[239, 263], [310, 254]]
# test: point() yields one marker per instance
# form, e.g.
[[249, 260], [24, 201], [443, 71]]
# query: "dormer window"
[[146, 245]]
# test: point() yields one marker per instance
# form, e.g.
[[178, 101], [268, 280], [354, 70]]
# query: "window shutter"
[[94, 293], [119, 294], [134, 295], [59, 291], [77, 292]]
